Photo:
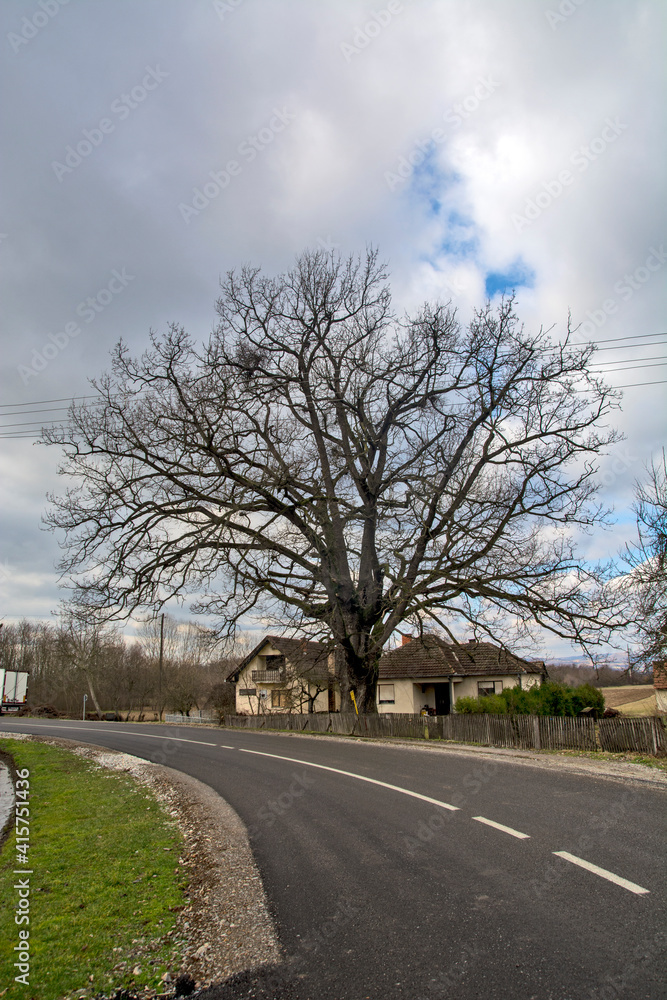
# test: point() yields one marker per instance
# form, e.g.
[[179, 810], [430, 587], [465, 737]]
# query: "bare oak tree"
[[647, 581], [322, 462]]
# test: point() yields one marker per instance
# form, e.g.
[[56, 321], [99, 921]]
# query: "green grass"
[[105, 862]]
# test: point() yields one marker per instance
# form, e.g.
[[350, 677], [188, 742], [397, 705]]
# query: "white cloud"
[[553, 87]]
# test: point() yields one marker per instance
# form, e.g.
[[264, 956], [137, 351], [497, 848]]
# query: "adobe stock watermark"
[[87, 310], [625, 288], [171, 744], [122, 107], [274, 978], [426, 830], [620, 467], [597, 825], [327, 243], [363, 34], [454, 116], [224, 7], [580, 158], [615, 986], [282, 803], [564, 10], [446, 981], [248, 150], [22, 885], [32, 24]]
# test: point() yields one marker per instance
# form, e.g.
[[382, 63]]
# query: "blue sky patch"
[[519, 275]]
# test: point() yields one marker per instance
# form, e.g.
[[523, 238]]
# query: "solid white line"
[[631, 886], [505, 829], [128, 732], [359, 777]]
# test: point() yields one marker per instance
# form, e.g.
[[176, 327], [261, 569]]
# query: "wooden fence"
[[644, 734], [530, 732]]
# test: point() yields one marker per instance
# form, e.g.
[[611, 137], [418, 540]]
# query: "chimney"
[[472, 641], [405, 639]]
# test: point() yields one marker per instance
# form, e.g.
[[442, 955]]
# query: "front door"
[[442, 706]]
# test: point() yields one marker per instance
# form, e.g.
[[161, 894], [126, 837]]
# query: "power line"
[[636, 336], [29, 423], [634, 368], [632, 347], [72, 399], [635, 384], [50, 409], [42, 402], [631, 361]]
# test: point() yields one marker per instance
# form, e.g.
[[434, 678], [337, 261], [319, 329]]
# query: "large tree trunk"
[[357, 672]]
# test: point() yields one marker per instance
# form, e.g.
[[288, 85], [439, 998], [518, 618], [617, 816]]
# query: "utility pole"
[[161, 652]]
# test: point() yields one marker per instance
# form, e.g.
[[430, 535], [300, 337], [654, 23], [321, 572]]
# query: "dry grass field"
[[631, 699]]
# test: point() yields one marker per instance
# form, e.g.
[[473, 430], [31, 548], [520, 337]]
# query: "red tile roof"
[[660, 676]]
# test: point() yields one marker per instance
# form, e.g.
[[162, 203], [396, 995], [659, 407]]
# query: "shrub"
[[548, 699]]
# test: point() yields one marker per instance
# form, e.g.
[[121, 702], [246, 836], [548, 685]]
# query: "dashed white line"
[[359, 777], [500, 826], [603, 873], [587, 865]]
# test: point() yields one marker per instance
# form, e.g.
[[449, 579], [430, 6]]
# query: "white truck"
[[14, 687]]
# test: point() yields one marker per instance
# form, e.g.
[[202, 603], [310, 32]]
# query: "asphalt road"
[[384, 892]]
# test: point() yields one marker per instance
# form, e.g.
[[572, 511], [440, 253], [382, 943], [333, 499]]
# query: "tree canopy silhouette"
[[325, 464]]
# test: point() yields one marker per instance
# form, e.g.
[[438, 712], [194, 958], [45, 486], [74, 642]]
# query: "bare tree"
[[647, 580], [82, 637], [320, 462]]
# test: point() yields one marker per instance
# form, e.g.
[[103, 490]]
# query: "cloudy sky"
[[150, 145]]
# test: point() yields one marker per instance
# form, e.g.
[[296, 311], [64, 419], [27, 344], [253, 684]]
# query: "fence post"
[[536, 732]]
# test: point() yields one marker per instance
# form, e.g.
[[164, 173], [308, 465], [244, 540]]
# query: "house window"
[[489, 687], [386, 694], [247, 692], [279, 699]]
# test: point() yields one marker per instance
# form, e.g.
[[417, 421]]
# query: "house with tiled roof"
[[660, 686], [427, 673], [286, 675]]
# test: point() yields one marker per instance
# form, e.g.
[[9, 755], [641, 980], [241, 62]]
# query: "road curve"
[[398, 873]]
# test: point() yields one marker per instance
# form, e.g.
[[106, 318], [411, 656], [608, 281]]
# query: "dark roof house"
[[431, 656]]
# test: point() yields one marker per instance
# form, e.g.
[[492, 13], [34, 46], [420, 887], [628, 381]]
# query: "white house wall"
[[252, 704], [410, 696]]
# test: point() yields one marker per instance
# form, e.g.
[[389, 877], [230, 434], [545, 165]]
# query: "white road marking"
[[128, 732], [505, 829], [224, 747], [631, 886], [359, 777]]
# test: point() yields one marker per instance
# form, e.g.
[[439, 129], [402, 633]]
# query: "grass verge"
[[104, 859]]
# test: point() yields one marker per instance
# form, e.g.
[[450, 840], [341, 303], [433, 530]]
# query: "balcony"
[[268, 676]]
